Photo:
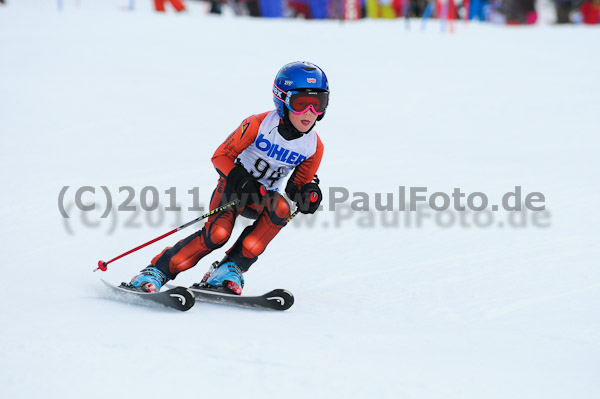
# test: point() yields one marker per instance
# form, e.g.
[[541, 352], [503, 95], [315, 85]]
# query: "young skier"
[[252, 164]]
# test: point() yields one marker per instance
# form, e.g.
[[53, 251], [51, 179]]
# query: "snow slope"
[[97, 96]]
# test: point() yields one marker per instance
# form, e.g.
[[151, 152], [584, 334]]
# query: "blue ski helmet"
[[297, 76]]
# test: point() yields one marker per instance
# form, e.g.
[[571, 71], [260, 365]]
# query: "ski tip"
[[283, 299], [186, 298]]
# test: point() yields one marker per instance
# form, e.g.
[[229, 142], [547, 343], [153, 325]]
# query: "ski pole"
[[293, 214], [102, 265], [313, 198]]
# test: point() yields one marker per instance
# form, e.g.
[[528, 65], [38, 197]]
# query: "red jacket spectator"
[[590, 10], [160, 5]]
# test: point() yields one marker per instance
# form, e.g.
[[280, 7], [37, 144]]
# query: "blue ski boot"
[[150, 280], [225, 275]]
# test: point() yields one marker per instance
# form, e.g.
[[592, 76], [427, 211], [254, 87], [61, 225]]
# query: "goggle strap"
[[281, 91]]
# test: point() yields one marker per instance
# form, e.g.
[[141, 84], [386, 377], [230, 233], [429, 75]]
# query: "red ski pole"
[[102, 265]]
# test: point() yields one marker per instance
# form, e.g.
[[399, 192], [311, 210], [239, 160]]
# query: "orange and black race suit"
[[257, 141]]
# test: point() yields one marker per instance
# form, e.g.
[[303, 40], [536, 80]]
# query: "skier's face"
[[303, 122]]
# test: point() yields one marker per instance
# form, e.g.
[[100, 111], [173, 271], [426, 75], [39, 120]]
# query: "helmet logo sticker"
[[311, 80], [288, 82]]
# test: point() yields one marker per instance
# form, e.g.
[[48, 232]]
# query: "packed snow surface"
[[389, 304]]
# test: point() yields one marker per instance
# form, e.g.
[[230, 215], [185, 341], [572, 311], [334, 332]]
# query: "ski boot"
[[226, 275], [149, 280]]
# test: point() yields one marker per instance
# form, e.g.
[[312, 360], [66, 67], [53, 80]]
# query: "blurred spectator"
[[300, 8], [417, 7], [313, 9], [345, 9], [387, 9], [239, 7], [564, 9], [160, 5], [215, 6], [372, 8], [590, 11], [479, 9], [448, 7], [271, 8], [382, 8], [336, 9], [400, 6], [252, 7], [519, 12], [318, 8]]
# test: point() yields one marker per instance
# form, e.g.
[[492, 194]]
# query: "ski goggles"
[[300, 101]]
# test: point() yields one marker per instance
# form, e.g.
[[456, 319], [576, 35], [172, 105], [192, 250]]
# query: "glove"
[[248, 189], [310, 198]]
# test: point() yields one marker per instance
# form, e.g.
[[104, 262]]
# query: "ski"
[[179, 298], [277, 299]]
